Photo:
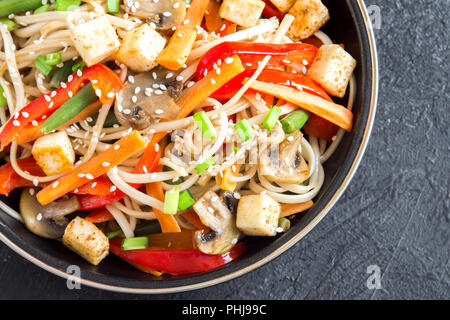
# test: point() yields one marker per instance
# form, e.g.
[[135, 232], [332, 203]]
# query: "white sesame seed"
[[89, 176], [105, 164], [116, 147], [113, 188]]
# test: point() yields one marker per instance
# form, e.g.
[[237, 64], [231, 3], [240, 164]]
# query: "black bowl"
[[349, 25]]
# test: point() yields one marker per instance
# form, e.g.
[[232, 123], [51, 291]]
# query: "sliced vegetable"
[[10, 180], [113, 6], [185, 200], [100, 215], [227, 28], [64, 5], [194, 219], [213, 21], [70, 109], [41, 64], [61, 74], [320, 128], [175, 54], [244, 130], [8, 7], [134, 243], [205, 125], [288, 209], [271, 11], [167, 221], [225, 181], [106, 82], [52, 59], [10, 24], [271, 118], [176, 261], [171, 201], [294, 120], [251, 53], [42, 9], [78, 66], [3, 101], [204, 88], [284, 224], [330, 111], [118, 152], [205, 164]]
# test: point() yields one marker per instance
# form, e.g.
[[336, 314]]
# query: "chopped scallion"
[[284, 224], [114, 234], [171, 201], [8, 7], [3, 102], [205, 165], [205, 125], [53, 59], [41, 64], [134, 243], [271, 118], [42, 9], [64, 5], [112, 6], [79, 66], [294, 120], [185, 201], [11, 25], [244, 130]]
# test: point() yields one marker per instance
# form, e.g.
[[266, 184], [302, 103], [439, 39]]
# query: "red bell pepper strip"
[[176, 261], [103, 79], [9, 179], [100, 215], [147, 163], [270, 11], [251, 53], [227, 28]]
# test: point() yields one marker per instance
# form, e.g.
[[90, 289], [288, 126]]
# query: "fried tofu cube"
[[140, 48], [95, 40], [283, 5], [310, 16], [332, 68], [54, 153], [245, 13], [85, 239], [257, 215]]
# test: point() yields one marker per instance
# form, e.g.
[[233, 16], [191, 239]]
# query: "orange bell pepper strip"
[[97, 166], [227, 28], [213, 21], [175, 55], [330, 111], [167, 221], [99, 215], [203, 88], [225, 180], [10, 180], [288, 209], [103, 80], [194, 219]]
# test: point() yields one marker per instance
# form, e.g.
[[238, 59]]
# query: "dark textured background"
[[395, 213]]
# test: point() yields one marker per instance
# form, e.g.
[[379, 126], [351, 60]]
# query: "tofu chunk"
[[85, 239], [332, 68], [140, 48], [54, 153], [245, 13], [283, 5], [95, 40], [257, 215], [310, 16]]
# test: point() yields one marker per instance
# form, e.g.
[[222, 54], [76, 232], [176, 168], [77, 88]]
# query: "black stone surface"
[[395, 213]]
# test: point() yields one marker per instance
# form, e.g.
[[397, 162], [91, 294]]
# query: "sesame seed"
[[55, 184], [105, 164], [229, 60], [81, 175], [16, 123], [35, 182], [94, 184], [116, 147], [89, 176], [113, 188]]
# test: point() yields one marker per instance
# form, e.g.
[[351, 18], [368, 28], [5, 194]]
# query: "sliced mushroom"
[[165, 14], [33, 216], [215, 214], [231, 200], [284, 163], [150, 96]]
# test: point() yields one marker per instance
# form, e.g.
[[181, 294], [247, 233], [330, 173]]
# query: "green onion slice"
[[171, 201], [205, 164], [271, 118], [244, 130], [185, 201], [135, 243], [294, 120], [205, 125]]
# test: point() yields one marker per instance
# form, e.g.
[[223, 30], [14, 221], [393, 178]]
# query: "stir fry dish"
[[167, 132]]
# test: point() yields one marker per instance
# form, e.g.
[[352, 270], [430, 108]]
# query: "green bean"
[[61, 74], [8, 7]]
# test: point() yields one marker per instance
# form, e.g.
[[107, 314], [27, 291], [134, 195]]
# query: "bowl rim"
[[271, 255]]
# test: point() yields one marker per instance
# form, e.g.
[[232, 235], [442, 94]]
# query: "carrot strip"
[[194, 219], [97, 166], [167, 221], [330, 111], [288, 209], [175, 54], [213, 20], [268, 99], [203, 88], [225, 181]]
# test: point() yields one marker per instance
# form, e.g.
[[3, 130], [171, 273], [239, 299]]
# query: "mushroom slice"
[[284, 163], [165, 14], [150, 96], [215, 214], [33, 216]]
